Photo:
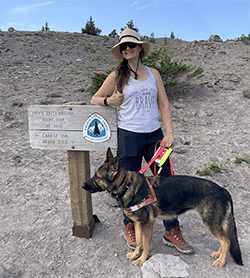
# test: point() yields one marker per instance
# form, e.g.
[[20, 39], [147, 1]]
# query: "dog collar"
[[119, 197], [145, 202]]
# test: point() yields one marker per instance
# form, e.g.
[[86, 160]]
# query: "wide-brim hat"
[[129, 35]]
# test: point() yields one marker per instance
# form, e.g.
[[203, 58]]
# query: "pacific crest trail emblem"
[[96, 129]]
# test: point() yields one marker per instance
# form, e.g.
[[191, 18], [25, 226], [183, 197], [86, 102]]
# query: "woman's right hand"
[[116, 98]]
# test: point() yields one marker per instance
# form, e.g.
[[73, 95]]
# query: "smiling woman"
[[139, 93]]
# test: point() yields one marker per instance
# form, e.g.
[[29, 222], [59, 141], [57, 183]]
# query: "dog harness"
[[161, 154], [145, 201]]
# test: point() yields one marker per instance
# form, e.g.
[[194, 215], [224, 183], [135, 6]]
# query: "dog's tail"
[[235, 247]]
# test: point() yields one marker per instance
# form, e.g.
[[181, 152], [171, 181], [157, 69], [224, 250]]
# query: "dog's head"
[[104, 176]]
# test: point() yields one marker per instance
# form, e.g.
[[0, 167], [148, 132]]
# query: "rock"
[[11, 30], [8, 116], [236, 80], [221, 52], [185, 140], [214, 38], [180, 150], [202, 114], [179, 105], [89, 88], [246, 41], [247, 94], [110, 201], [81, 90], [5, 273], [163, 266]]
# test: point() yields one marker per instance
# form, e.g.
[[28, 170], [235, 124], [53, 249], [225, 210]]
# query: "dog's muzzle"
[[91, 186]]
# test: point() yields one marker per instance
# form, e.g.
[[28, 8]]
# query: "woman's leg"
[[173, 236], [129, 153]]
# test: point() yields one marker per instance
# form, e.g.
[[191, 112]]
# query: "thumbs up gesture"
[[117, 98]]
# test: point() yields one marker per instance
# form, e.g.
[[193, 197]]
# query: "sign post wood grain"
[[76, 129]]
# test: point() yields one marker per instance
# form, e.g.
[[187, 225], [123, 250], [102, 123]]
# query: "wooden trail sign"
[[76, 129]]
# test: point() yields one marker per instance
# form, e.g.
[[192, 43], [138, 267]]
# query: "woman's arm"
[[165, 110], [108, 88]]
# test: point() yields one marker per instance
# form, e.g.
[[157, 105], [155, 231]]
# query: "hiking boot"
[[173, 238], [129, 233]]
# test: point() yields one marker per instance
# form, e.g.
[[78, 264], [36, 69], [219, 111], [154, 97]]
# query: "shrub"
[[240, 159], [210, 166], [171, 71], [98, 79], [245, 40], [113, 33]]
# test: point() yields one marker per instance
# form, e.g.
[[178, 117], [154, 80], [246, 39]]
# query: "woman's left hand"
[[167, 141]]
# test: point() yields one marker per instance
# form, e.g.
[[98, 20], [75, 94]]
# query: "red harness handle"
[[156, 155]]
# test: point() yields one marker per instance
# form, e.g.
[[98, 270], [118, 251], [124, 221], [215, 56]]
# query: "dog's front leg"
[[138, 236], [147, 231]]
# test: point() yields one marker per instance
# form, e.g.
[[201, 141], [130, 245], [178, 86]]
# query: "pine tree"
[[90, 28], [130, 25], [46, 26]]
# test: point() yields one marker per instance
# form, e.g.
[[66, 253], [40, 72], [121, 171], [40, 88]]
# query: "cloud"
[[14, 23], [152, 4], [29, 8]]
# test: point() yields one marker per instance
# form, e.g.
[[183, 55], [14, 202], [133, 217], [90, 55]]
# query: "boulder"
[[214, 38], [247, 94], [246, 41], [11, 30], [162, 266]]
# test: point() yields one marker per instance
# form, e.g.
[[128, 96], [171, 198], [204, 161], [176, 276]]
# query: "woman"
[[139, 93]]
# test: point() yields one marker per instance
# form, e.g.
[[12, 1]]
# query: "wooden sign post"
[[76, 129]]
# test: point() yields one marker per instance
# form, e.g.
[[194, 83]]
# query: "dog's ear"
[[109, 155], [115, 164]]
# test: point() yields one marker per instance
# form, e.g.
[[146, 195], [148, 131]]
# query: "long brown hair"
[[123, 73]]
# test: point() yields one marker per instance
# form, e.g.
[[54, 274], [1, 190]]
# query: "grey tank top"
[[139, 111]]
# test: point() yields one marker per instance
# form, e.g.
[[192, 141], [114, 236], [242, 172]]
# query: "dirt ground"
[[211, 124]]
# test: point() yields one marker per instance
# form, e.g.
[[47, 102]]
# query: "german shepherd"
[[175, 195]]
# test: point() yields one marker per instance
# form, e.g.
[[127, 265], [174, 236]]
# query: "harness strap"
[[145, 201]]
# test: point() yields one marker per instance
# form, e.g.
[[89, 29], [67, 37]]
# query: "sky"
[[188, 20]]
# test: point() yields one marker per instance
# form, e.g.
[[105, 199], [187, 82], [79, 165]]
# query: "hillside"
[[211, 124]]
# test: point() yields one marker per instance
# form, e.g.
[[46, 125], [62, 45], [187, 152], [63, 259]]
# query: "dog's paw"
[[215, 255], [219, 263], [139, 262], [132, 255]]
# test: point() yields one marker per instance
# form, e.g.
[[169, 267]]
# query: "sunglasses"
[[124, 46]]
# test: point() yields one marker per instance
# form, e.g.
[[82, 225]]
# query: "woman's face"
[[131, 52]]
